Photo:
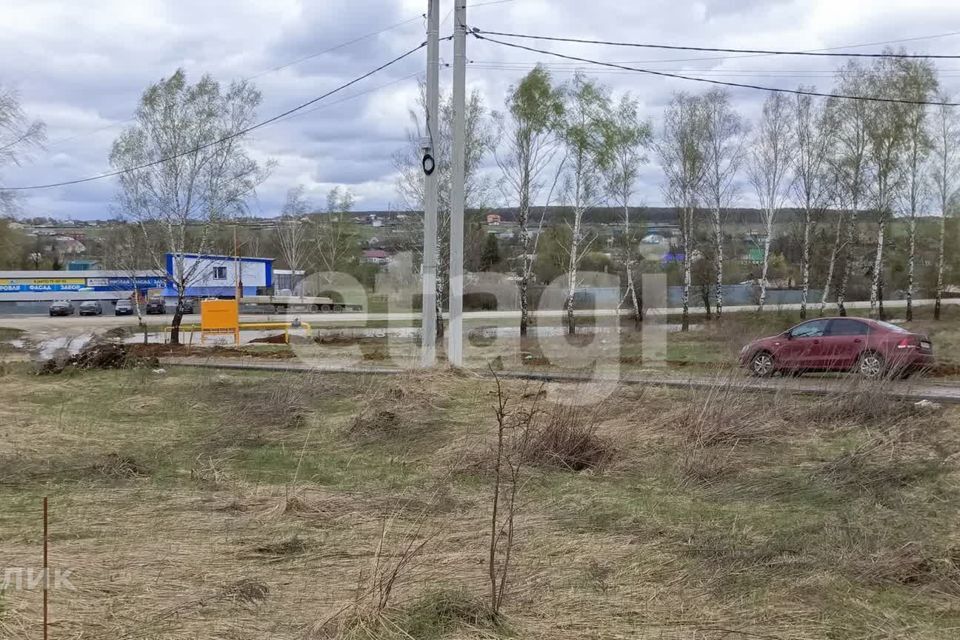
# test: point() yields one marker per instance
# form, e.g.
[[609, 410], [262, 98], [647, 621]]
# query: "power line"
[[766, 55], [253, 77], [766, 52], [335, 47], [772, 73], [739, 85], [225, 138]]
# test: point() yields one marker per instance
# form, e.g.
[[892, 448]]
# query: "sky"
[[81, 67]]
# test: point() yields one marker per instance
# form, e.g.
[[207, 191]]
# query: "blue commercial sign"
[[27, 285]]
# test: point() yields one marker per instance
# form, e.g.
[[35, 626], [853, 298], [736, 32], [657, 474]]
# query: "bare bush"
[[567, 437], [372, 613], [515, 426], [98, 354]]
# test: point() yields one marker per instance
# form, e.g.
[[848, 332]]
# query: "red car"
[[872, 347]]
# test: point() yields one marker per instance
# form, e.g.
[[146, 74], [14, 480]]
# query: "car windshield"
[[891, 327]]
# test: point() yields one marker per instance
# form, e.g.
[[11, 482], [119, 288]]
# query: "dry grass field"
[[192, 504]]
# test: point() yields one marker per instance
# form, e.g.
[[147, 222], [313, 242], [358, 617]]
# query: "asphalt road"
[[94, 323]]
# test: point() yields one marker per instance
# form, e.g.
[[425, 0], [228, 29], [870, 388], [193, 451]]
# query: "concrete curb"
[[821, 386]]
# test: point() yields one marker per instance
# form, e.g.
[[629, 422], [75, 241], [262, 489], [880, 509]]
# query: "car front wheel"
[[871, 365], [761, 365]]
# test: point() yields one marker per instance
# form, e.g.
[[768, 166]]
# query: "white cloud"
[[81, 66]]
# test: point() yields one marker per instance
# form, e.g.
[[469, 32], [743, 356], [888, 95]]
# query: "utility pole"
[[428, 329], [455, 342]]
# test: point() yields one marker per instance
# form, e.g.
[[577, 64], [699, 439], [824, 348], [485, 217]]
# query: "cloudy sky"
[[81, 66]]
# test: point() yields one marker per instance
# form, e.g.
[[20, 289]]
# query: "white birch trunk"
[[685, 321], [631, 287], [910, 261], [939, 292], [572, 272], [831, 267], [766, 261], [525, 267], [718, 230], [848, 264], [878, 265], [806, 263]]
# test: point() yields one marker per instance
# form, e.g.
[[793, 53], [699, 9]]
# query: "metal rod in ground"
[[46, 575], [457, 188]]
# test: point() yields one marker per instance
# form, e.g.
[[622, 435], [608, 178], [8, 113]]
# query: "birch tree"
[[335, 244], [585, 122], [724, 132], [919, 83], [886, 128], [534, 110], [681, 153], [290, 232], [848, 122], [627, 139], [18, 137], [836, 196], [812, 141], [945, 134], [186, 170], [769, 170]]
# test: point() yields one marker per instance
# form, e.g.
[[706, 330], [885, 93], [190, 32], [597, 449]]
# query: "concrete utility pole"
[[428, 330], [455, 342]]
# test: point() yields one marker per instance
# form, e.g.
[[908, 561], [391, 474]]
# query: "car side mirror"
[[788, 335]]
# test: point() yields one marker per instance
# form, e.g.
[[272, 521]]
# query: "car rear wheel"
[[761, 365], [871, 365]]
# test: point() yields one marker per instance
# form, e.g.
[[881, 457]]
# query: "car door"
[[803, 349], [843, 343]]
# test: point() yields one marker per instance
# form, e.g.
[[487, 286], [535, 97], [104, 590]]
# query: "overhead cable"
[[233, 135], [724, 83]]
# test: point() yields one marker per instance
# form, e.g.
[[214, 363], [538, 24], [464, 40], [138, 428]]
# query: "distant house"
[[493, 219], [376, 256], [69, 245]]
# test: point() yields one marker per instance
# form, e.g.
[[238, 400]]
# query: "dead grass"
[[753, 515], [404, 407], [882, 464], [568, 437], [294, 545], [118, 467]]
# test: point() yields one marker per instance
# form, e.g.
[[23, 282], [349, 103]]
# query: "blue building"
[[213, 276]]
